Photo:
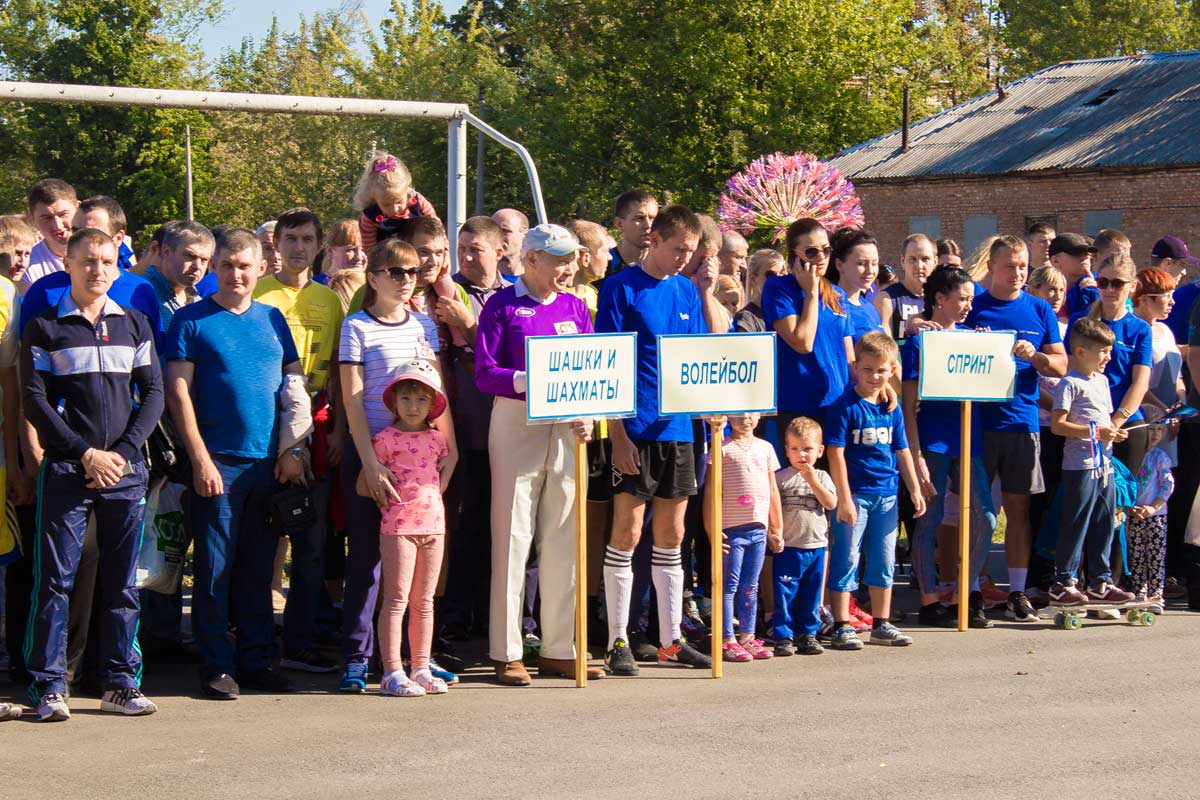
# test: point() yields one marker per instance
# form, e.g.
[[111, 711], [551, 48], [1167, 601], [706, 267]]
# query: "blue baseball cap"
[[553, 239]]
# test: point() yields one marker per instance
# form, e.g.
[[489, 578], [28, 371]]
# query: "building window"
[[930, 226], [1096, 221], [1049, 219], [977, 228]]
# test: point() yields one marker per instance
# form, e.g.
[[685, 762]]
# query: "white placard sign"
[[967, 365], [725, 373], [581, 375]]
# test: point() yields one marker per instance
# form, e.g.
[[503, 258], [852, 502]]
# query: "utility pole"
[[479, 142], [187, 146]]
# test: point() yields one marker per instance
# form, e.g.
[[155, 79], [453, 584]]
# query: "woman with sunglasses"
[[1153, 300], [1128, 371], [814, 347], [375, 343]]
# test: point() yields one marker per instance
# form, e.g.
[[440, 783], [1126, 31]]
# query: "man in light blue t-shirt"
[[1011, 434], [227, 361]]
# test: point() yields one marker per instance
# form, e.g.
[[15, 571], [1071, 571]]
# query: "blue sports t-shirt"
[[207, 285], [870, 436], [1033, 320], [239, 360], [808, 382], [1080, 298], [129, 290], [864, 317], [938, 421], [1134, 346], [1177, 320], [634, 301]]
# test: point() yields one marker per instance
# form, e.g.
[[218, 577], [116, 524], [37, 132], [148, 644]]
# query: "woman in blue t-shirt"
[[855, 265], [1128, 371], [813, 346], [934, 439]]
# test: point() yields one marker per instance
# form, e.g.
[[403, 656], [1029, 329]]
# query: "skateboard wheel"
[[1133, 617], [1072, 623], [1147, 618], [1059, 618]]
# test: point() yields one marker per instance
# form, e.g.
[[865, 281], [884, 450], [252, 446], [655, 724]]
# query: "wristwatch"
[[296, 453]]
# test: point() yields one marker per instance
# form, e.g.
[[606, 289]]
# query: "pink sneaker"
[[859, 619], [756, 649], [732, 651]]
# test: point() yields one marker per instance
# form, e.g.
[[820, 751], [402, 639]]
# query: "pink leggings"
[[410, 574]]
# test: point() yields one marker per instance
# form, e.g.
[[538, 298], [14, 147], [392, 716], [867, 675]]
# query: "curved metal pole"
[[539, 205]]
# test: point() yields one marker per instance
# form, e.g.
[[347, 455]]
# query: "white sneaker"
[[397, 684], [10, 711], [130, 702], [52, 707]]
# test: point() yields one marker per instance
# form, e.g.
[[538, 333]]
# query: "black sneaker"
[[267, 680], [680, 652], [975, 616], [309, 660], [220, 687], [936, 615], [642, 649], [807, 645], [785, 647], [620, 660], [1019, 608]]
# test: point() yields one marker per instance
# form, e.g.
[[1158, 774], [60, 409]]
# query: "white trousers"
[[533, 503]]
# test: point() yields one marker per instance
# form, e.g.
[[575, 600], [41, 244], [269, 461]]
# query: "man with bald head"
[[514, 224]]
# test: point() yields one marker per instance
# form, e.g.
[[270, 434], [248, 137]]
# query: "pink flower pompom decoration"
[[775, 190]]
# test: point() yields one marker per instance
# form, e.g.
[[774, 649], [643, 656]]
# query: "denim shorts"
[[873, 533]]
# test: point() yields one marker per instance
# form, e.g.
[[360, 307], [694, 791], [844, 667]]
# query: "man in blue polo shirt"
[[85, 361], [1011, 441], [652, 455], [227, 357]]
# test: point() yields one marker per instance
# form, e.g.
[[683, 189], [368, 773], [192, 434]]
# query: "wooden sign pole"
[[717, 594], [964, 515], [581, 639]]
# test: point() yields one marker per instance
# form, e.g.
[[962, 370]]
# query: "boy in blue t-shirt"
[[652, 455], [865, 442]]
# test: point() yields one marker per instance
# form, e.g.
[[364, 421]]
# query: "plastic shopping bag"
[[165, 539]]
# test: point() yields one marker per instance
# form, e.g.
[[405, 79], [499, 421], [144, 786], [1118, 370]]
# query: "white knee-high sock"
[[618, 589], [666, 570], [1016, 578]]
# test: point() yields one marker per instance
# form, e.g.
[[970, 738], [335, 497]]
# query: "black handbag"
[[292, 510], [165, 455]]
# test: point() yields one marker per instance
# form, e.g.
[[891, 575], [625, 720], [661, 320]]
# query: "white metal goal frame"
[[456, 115]]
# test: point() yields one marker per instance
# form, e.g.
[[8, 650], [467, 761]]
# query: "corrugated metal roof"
[[1110, 112]]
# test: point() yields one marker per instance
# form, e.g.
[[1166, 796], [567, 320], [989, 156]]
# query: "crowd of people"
[[341, 395]]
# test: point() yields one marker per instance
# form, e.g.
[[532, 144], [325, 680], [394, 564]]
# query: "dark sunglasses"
[[811, 253], [399, 273], [1111, 283]]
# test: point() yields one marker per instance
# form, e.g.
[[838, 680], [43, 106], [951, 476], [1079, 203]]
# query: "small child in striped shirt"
[[749, 507]]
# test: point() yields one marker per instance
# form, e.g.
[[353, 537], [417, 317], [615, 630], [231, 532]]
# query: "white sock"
[[666, 570], [1016, 578], [618, 590]]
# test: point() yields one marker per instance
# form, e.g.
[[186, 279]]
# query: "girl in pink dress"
[[412, 533]]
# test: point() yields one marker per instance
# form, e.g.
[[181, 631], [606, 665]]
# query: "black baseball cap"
[[1173, 247], [1071, 244]]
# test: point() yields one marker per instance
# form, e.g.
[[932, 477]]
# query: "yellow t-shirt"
[[314, 316], [588, 294]]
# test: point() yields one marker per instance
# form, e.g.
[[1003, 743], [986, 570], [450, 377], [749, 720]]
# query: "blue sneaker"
[[889, 634], [441, 672], [845, 638], [354, 679]]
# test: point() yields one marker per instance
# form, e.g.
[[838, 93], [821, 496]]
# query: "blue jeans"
[[742, 565], [235, 558], [875, 532], [983, 519], [1088, 514], [799, 576], [307, 574]]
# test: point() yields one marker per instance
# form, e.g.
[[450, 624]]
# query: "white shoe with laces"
[[52, 707], [128, 701]]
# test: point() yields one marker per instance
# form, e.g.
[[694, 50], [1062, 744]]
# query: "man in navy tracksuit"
[[85, 361]]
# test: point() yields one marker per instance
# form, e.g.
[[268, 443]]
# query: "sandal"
[[397, 684], [430, 682], [732, 651], [756, 650]]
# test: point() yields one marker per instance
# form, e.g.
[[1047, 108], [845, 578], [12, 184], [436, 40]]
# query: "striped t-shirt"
[[380, 348], [748, 469]]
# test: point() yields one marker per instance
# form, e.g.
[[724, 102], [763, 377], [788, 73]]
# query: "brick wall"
[[1152, 204]]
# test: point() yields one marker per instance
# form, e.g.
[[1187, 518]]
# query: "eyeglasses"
[[1111, 283], [398, 273], [811, 253], [1168, 296]]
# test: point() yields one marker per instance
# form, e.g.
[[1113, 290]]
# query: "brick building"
[[1084, 145]]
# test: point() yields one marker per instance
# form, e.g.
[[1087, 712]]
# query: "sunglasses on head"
[[398, 273], [1111, 283]]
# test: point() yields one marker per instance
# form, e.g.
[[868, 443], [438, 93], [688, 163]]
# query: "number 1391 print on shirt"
[[869, 436]]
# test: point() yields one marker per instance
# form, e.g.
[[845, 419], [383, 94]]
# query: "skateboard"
[[1070, 618]]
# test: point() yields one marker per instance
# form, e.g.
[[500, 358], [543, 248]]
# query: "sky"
[[253, 17]]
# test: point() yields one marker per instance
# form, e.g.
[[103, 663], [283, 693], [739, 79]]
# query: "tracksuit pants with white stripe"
[[64, 502]]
